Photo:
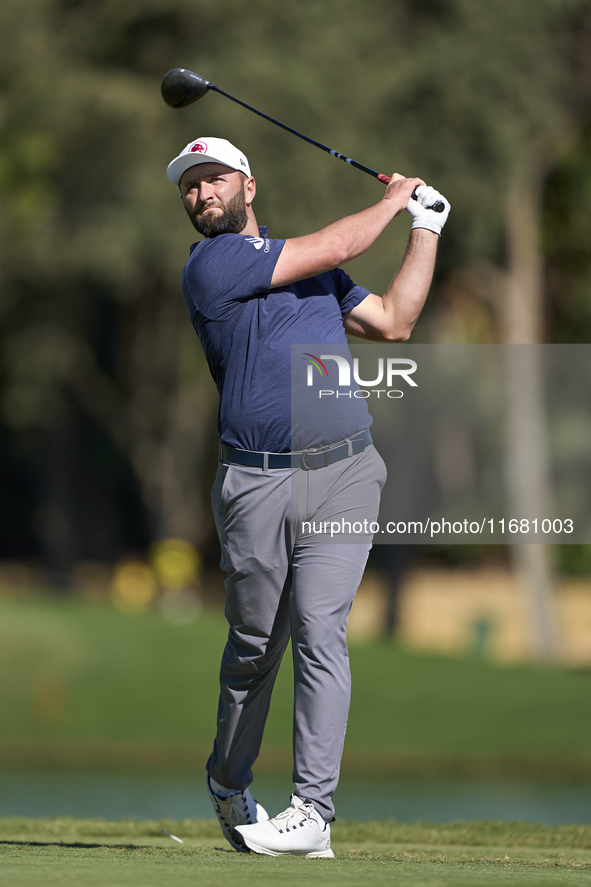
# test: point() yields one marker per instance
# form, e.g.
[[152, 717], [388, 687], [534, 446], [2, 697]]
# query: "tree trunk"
[[164, 422], [56, 519], [528, 473]]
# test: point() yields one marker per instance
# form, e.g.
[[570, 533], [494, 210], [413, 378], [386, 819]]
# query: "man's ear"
[[250, 189]]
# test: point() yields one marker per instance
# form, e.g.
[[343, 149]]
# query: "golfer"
[[250, 298]]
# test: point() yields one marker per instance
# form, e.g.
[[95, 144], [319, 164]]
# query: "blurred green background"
[[85, 685], [107, 411]]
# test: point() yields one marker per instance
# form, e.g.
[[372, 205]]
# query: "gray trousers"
[[283, 582]]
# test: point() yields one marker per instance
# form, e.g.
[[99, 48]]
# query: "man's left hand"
[[423, 217]]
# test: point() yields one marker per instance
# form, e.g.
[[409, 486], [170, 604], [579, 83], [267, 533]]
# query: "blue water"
[[115, 796]]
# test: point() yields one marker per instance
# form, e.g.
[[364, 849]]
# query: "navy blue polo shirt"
[[247, 330]]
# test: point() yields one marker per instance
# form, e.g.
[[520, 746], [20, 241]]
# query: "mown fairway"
[[105, 854]]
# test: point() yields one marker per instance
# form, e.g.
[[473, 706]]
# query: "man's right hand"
[[401, 189]]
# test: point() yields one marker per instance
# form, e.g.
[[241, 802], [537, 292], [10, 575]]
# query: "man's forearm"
[[348, 237], [391, 317], [407, 293], [344, 239]]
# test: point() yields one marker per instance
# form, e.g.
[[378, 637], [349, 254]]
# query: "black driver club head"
[[181, 87]]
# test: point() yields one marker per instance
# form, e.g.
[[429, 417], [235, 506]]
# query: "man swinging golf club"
[[250, 298]]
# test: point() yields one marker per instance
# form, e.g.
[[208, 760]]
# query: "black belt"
[[306, 459]]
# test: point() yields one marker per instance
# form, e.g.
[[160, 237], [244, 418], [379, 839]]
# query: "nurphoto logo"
[[390, 371]]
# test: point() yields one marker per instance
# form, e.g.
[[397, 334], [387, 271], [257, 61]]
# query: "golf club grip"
[[437, 207]]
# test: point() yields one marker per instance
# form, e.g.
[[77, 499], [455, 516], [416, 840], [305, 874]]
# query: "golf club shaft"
[[377, 175], [438, 206], [181, 87]]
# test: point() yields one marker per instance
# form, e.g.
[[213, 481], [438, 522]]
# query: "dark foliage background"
[[107, 411]]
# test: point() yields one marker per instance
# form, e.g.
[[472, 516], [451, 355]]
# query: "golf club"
[[181, 87]]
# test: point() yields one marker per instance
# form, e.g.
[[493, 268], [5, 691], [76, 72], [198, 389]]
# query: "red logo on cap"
[[199, 147]]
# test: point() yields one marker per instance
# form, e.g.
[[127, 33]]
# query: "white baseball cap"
[[207, 150]]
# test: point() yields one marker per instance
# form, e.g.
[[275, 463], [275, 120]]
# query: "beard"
[[232, 221]]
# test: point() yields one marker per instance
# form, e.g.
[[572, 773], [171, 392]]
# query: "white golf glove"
[[422, 216]]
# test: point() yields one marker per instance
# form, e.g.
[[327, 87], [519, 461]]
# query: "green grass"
[[108, 854], [83, 683]]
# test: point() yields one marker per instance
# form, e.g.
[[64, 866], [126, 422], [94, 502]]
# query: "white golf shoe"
[[298, 831], [238, 808]]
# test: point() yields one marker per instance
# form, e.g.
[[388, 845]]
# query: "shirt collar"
[[263, 231]]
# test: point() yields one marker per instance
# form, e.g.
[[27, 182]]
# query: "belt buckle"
[[307, 467]]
